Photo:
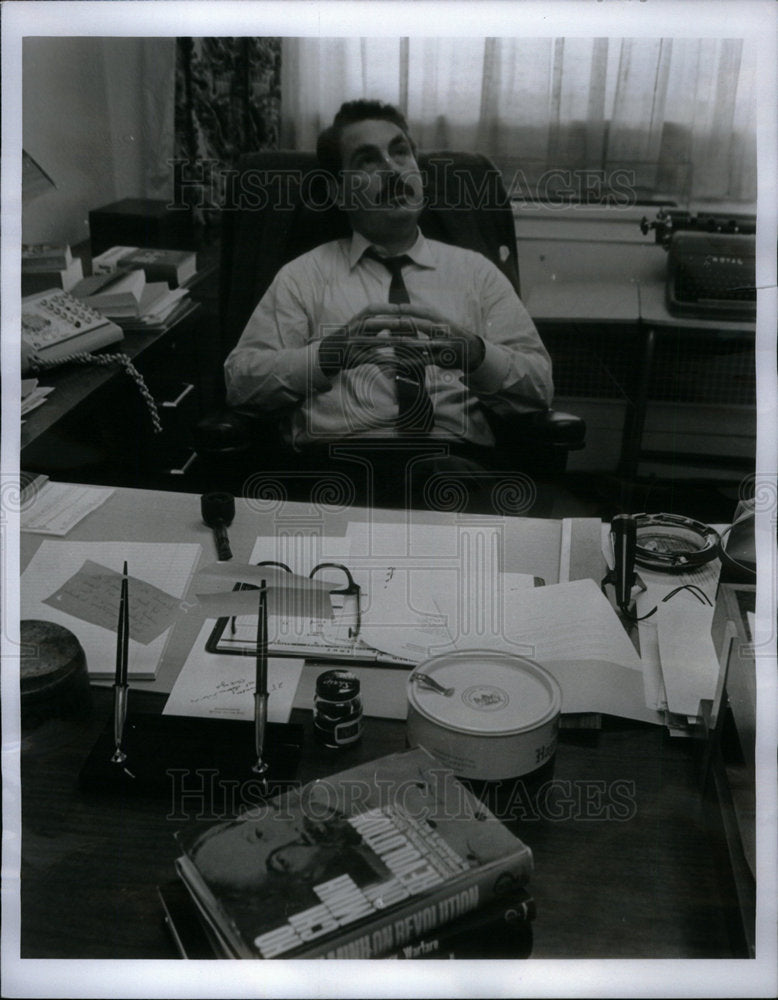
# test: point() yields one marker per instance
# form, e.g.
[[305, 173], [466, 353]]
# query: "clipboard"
[[302, 639]]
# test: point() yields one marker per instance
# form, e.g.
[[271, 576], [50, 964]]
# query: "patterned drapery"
[[228, 101]]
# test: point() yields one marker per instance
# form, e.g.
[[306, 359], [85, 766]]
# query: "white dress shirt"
[[274, 366]]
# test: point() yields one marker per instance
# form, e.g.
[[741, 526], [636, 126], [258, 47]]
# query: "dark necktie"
[[414, 406]]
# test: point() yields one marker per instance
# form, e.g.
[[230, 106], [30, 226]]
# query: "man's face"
[[381, 187]]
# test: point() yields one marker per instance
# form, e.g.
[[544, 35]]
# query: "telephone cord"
[[85, 358]]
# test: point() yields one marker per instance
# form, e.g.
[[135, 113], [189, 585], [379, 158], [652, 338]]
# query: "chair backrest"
[[276, 208]]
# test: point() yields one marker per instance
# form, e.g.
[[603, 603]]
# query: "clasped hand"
[[426, 336]]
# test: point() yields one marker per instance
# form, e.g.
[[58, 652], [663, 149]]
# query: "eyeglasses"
[[351, 590]]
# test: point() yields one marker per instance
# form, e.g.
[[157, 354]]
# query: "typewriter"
[[711, 264]]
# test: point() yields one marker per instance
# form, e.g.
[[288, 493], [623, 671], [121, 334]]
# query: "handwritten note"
[[92, 594], [220, 686], [164, 565]]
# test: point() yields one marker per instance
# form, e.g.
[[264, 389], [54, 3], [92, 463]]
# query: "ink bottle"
[[337, 709]]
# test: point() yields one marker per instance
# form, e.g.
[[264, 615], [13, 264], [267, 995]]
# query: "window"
[[564, 118]]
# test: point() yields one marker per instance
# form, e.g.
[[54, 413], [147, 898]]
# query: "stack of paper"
[[680, 666], [55, 508]]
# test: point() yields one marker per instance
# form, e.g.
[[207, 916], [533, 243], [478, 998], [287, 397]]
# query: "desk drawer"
[[178, 407]]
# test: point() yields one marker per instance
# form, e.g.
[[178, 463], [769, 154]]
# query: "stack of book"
[[49, 265], [393, 858], [175, 267], [127, 298]]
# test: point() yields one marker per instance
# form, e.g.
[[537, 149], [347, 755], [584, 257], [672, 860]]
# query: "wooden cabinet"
[[729, 771]]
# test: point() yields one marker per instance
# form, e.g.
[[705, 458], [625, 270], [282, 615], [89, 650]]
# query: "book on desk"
[[501, 929], [46, 265], [172, 266], [132, 301], [357, 865]]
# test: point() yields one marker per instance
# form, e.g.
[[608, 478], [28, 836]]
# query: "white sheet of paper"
[[58, 507], [568, 621], [571, 629], [690, 667], [36, 398], [426, 586], [599, 686], [421, 545], [300, 551], [220, 686], [166, 565]]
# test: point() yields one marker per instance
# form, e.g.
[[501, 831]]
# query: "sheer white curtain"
[[678, 114]]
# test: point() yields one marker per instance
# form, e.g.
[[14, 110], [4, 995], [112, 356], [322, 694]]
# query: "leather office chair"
[[276, 208]]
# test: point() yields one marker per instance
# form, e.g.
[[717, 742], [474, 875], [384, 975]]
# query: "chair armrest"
[[543, 430], [224, 432], [559, 430]]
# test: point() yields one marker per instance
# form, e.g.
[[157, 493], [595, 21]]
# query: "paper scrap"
[[218, 686], [58, 507], [273, 576], [284, 601], [93, 593]]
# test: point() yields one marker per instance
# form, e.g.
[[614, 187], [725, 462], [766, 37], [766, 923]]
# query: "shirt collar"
[[420, 253]]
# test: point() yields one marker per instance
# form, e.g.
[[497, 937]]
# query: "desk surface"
[[529, 545], [624, 867], [627, 864]]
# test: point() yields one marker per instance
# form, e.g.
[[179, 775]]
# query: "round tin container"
[[53, 676], [497, 719]]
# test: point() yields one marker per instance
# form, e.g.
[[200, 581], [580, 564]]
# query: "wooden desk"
[[74, 384], [529, 545], [657, 321], [95, 427], [627, 864]]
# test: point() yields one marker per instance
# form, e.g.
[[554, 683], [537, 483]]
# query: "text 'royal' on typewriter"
[[711, 265]]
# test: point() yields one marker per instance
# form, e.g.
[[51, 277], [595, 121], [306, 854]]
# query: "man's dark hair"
[[328, 144]]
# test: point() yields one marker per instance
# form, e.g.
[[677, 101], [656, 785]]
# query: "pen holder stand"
[[189, 759]]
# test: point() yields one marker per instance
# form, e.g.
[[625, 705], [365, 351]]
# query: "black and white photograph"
[[389, 498]]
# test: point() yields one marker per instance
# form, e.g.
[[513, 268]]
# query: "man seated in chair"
[[386, 341]]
